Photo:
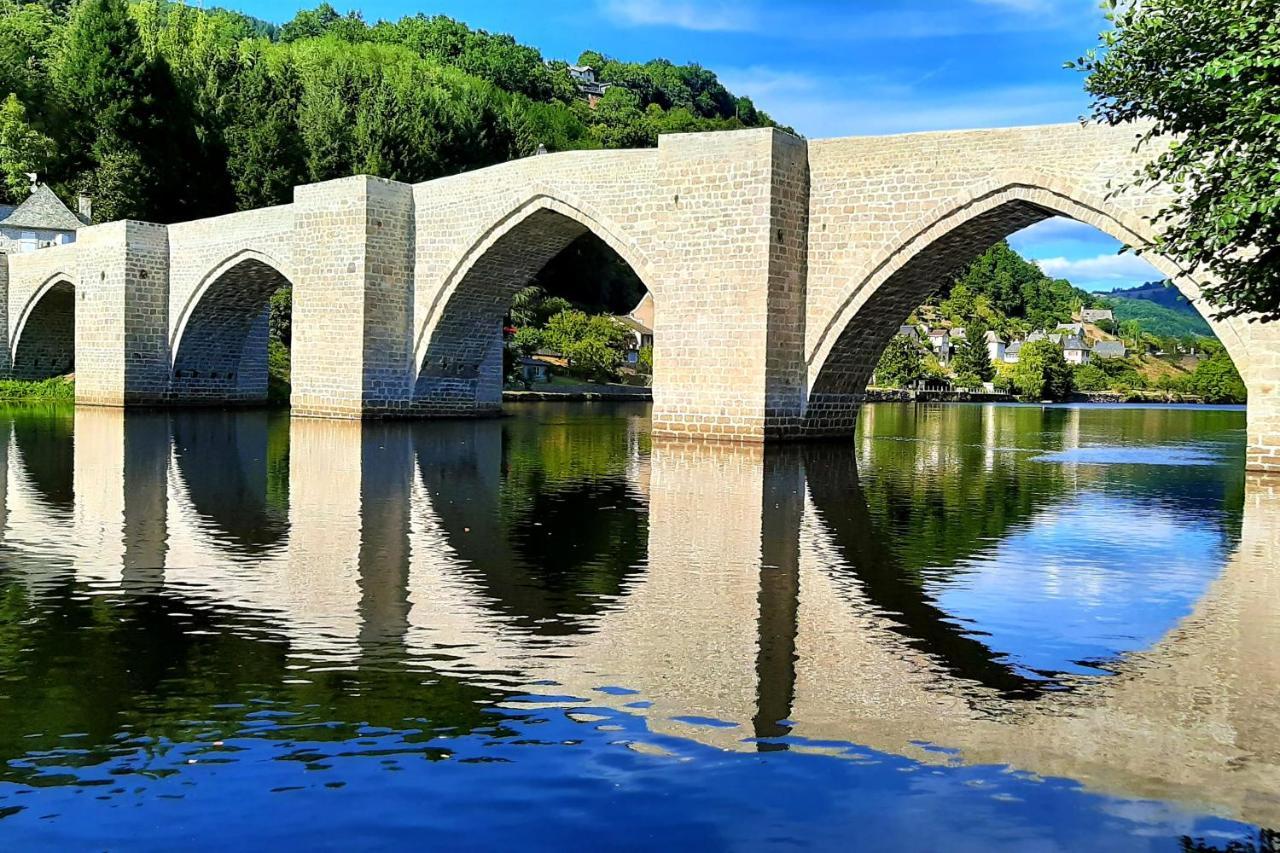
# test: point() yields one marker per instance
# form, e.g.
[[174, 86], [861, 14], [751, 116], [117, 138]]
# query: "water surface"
[[978, 627]]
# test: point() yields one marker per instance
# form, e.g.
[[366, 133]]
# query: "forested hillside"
[[165, 112], [1167, 352], [1160, 308], [1003, 291], [1159, 320]]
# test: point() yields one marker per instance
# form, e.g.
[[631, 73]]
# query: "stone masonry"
[[780, 268]]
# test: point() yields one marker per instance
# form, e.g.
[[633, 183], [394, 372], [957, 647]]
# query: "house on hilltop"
[[41, 220], [1096, 315], [584, 77]]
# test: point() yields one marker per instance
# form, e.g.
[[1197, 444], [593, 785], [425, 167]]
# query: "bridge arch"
[[219, 340], [458, 348], [44, 339], [935, 248]]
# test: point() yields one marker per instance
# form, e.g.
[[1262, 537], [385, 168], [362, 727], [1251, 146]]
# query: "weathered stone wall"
[[28, 277], [121, 273], [223, 272], [727, 260], [352, 299], [483, 235]]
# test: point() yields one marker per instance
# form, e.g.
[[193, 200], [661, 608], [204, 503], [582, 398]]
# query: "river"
[[969, 628]]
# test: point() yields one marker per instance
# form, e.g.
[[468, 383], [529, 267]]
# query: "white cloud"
[[1023, 6], [701, 15], [854, 22], [1101, 269], [1059, 229], [815, 106]]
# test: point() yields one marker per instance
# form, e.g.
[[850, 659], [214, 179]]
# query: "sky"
[[839, 68]]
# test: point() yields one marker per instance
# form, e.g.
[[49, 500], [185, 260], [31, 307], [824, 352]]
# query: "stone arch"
[[219, 342], [44, 340], [937, 246], [458, 351]]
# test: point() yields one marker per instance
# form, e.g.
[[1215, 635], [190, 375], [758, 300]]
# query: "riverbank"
[[584, 392], [898, 395], [60, 389], [904, 395]]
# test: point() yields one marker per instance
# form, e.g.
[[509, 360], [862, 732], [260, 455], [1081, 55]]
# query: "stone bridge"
[[780, 268]]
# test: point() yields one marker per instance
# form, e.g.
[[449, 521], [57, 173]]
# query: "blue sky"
[[830, 68]]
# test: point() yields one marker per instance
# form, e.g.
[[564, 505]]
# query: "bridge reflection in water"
[[750, 598]]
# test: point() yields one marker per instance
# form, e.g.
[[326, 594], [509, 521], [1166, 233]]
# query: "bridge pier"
[[122, 314], [733, 220], [352, 298]]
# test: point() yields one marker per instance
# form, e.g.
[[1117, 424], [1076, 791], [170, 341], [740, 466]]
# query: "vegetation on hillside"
[[165, 112], [1157, 320], [1003, 292], [1208, 73]]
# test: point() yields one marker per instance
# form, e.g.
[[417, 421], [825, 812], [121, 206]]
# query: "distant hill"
[[1161, 310]]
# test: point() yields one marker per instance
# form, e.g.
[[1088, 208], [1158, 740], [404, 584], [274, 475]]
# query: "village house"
[[1075, 350], [1012, 352], [639, 325], [41, 220], [534, 370], [584, 76], [995, 346], [1109, 349], [1096, 315], [1076, 329], [940, 343]]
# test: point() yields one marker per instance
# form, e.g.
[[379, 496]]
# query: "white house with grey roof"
[[41, 220]]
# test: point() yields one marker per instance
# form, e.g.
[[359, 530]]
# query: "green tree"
[[527, 341], [266, 156], [1217, 380], [132, 131], [27, 34], [23, 149], [971, 361], [1090, 377], [901, 363], [280, 316], [1130, 331], [1206, 72], [592, 344], [532, 307], [1042, 372], [644, 362]]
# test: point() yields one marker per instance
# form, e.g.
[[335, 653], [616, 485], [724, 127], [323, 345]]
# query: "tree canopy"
[[901, 363], [166, 112], [1042, 372], [1207, 73]]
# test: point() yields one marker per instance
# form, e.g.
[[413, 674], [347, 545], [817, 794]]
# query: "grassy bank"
[[59, 389]]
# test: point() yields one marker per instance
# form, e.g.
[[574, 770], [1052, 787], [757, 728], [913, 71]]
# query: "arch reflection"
[[752, 598]]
